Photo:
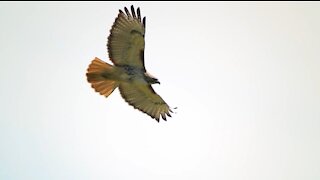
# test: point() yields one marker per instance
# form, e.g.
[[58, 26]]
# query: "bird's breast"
[[132, 74]]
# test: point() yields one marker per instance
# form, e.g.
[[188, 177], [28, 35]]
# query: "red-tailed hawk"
[[126, 51]]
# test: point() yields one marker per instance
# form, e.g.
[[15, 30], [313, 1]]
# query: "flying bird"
[[126, 51]]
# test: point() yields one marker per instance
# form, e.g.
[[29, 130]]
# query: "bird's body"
[[126, 50]]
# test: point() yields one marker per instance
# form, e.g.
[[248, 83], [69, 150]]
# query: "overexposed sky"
[[244, 75]]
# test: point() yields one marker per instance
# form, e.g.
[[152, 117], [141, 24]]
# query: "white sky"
[[244, 76]]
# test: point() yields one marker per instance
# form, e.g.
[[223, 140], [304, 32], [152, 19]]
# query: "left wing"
[[126, 41], [144, 98]]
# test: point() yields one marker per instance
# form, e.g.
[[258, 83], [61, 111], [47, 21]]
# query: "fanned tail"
[[97, 75]]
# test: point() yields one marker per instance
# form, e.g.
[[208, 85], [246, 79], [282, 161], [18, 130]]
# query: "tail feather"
[[100, 83]]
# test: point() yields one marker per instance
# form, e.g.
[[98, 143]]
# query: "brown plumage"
[[126, 51]]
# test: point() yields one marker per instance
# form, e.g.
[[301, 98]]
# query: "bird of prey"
[[126, 51]]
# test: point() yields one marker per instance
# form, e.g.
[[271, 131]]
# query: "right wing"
[[126, 41]]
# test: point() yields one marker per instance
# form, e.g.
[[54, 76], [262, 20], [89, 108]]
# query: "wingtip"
[[133, 11], [139, 14], [144, 22], [127, 12]]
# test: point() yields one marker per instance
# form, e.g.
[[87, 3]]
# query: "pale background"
[[244, 76]]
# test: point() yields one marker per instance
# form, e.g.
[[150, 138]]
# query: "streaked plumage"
[[126, 51]]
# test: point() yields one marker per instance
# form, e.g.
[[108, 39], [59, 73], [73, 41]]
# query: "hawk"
[[126, 51]]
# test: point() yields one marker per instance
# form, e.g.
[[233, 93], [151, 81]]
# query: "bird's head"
[[151, 79]]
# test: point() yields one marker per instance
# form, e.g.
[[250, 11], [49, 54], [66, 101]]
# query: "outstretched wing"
[[126, 41], [144, 98]]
